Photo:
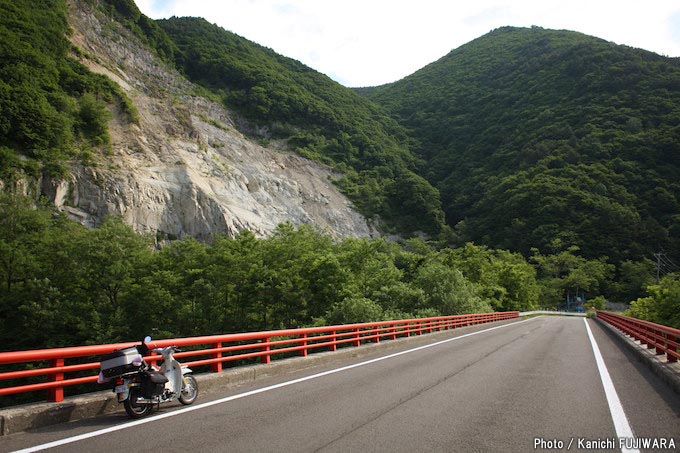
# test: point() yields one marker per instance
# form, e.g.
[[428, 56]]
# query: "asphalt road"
[[524, 386]]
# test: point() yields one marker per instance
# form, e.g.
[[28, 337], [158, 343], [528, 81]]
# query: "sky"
[[372, 42]]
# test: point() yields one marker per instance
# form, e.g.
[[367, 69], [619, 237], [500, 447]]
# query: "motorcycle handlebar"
[[160, 350]]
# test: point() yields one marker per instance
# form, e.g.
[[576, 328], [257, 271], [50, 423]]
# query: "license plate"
[[121, 388]]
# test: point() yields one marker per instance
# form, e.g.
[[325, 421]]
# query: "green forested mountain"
[[546, 139]]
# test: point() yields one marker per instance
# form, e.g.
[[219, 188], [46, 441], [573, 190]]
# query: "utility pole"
[[663, 265]]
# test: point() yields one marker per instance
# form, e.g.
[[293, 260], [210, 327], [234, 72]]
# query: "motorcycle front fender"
[[186, 370]]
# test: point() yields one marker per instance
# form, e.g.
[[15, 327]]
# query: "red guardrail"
[[665, 339], [221, 348]]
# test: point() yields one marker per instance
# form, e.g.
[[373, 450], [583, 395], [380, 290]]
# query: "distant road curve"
[[548, 312]]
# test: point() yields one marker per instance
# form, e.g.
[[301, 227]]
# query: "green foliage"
[[549, 144], [533, 135], [146, 29], [127, 9], [62, 284], [355, 310], [93, 117], [49, 103], [643, 308], [504, 279], [566, 273], [633, 279], [448, 291], [662, 306], [597, 303]]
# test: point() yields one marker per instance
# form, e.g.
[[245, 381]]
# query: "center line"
[[250, 393]]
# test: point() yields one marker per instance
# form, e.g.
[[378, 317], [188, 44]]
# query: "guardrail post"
[[659, 344], [669, 357], [376, 333], [216, 367], [644, 338], [334, 337], [649, 337], [303, 343], [357, 341], [56, 394], [266, 359]]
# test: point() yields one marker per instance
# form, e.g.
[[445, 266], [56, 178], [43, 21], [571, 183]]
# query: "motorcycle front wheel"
[[189, 390], [134, 409]]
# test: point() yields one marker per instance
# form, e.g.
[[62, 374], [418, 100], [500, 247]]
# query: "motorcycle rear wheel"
[[189, 391], [134, 409]]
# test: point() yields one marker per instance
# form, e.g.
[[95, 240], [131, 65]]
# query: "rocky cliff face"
[[185, 169]]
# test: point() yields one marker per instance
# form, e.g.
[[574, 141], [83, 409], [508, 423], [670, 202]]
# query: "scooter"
[[140, 386]]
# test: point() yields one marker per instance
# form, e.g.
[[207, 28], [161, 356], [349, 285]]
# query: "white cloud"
[[370, 42]]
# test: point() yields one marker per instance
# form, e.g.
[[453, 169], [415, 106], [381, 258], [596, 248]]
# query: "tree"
[[93, 117], [111, 257], [662, 306], [566, 273], [448, 291], [236, 271], [633, 280], [21, 233], [505, 279], [371, 264], [414, 200], [354, 310]]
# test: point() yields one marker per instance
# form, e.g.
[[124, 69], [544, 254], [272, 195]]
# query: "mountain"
[[522, 139], [282, 103], [281, 99], [95, 121], [548, 139]]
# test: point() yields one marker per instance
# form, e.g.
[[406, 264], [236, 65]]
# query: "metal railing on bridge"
[[51, 364], [665, 339]]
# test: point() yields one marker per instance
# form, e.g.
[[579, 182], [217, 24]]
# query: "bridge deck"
[[500, 388]]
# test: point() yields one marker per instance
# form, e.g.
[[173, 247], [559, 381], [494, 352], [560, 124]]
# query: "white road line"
[[111, 429], [621, 425]]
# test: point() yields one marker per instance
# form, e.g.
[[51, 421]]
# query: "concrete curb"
[[32, 416], [669, 372]]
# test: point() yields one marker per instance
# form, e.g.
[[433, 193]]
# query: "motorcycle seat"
[[157, 378]]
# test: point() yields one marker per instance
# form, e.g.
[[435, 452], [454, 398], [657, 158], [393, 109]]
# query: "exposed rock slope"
[[185, 170]]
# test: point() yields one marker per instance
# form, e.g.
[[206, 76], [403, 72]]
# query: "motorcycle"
[[140, 386]]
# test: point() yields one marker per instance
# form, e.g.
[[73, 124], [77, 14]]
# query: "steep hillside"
[[51, 108], [101, 125], [542, 138], [284, 100]]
